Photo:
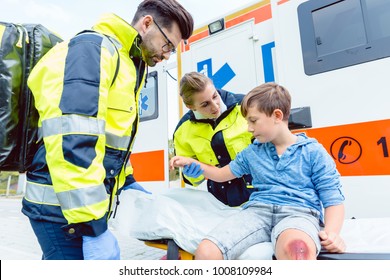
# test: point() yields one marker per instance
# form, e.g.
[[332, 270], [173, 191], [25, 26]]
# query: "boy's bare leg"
[[207, 250], [293, 244]]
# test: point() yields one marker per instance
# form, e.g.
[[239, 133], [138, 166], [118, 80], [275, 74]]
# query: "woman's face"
[[207, 102]]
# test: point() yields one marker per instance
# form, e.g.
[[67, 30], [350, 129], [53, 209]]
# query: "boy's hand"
[[179, 161], [332, 242]]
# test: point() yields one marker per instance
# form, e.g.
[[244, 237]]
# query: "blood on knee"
[[298, 250]]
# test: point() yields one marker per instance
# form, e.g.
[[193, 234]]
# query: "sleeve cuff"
[[129, 180], [91, 228], [194, 181]]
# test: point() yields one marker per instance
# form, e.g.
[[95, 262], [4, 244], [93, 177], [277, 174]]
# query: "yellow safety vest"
[[87, 99], [217, 143]]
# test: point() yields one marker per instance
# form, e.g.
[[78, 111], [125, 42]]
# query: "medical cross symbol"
[[221, 77], [143, 103]]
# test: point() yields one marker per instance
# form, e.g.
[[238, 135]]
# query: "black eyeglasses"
[[168, 47]]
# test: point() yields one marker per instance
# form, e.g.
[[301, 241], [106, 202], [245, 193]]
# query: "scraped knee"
[[298, 250]]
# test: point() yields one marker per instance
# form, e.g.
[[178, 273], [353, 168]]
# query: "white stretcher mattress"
[[187, 215]]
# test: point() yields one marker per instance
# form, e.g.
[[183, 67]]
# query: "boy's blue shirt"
[[304, 176]]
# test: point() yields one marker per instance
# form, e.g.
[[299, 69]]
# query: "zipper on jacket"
[[140, 73]]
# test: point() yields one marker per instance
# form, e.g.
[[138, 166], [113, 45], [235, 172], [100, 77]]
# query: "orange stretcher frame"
[[174, 252]]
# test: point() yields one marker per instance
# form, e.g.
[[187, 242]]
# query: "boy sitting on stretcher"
[[295, 180]]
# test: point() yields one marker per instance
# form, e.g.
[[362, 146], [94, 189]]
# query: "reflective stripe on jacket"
[[88, 118], [217, 143]]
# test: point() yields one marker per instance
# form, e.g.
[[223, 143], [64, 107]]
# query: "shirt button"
[[71, 231], [112, 171], [230, 182], [272, 148], [219, 157], [222, 187], [275, 157]]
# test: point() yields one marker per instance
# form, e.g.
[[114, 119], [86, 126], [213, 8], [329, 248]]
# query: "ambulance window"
[[378, 14], [148, 99], [341, 33], [338, 27]]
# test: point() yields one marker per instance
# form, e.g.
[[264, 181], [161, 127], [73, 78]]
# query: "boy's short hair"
[[267, 98], [192, 82], [165, 12]]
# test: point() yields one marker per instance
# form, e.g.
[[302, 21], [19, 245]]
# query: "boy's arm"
[[183, 148], [330, 236], [211, 172]]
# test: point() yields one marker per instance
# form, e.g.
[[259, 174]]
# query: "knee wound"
[[298, 250]]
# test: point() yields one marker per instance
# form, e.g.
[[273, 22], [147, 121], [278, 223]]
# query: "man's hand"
[[102, 247]]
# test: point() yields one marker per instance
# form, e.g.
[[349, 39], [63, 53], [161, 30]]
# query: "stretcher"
[[177, 219]]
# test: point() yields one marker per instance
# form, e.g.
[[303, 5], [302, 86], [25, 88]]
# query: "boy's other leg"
[[293, 244], [207, 250]]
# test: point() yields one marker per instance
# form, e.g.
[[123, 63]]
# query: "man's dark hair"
[[165, 12]]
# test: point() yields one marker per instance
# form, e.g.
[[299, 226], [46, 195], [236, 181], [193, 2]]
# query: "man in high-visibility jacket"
[[86, 91]]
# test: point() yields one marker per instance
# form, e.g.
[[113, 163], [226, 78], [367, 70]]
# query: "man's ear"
[[147, 22]]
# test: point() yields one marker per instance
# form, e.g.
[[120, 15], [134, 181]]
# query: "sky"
[[68, 17]]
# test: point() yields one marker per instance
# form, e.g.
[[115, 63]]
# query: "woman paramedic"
[[213, 131]]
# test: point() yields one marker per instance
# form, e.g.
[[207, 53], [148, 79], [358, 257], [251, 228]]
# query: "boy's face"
[[207, 102], [260, 125]]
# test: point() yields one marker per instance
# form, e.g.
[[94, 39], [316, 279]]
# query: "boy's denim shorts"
[[262, 223]]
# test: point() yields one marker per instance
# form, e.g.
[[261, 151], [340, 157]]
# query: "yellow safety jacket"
[[217, 142], [86, 91]]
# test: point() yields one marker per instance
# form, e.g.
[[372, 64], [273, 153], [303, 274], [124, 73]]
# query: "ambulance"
[[334, 58]]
